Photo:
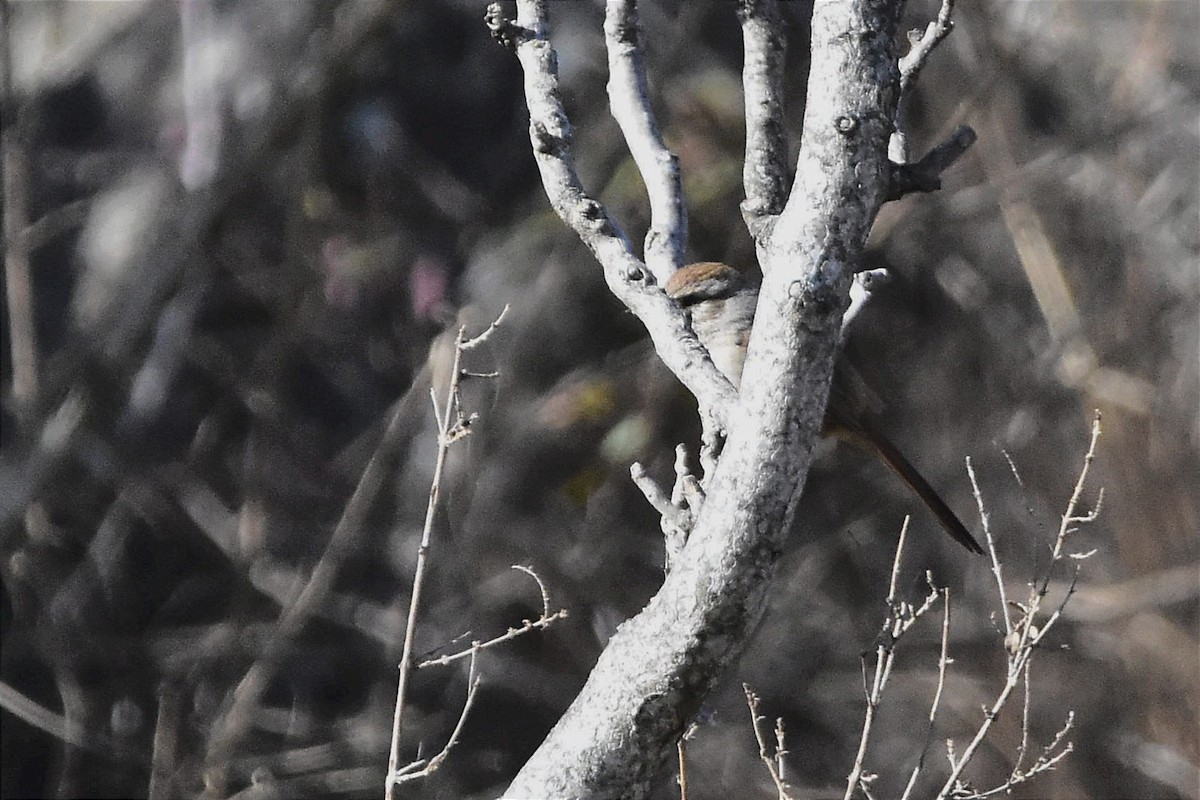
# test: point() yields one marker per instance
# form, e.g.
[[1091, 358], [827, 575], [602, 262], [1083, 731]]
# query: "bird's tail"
[[909, 474]]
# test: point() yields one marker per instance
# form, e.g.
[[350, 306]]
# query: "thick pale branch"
[[765, 172], [627, 277], [629, 99]]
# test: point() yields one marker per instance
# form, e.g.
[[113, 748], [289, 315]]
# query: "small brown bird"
[[721, 303]]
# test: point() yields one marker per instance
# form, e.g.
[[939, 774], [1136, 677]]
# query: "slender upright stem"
[[446, 420]]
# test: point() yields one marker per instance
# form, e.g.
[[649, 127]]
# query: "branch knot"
[[507, 33]]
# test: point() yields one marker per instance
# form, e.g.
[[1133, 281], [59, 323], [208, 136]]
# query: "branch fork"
[[724, 533]]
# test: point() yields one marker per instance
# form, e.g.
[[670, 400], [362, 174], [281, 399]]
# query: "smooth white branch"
[[629, 279], [629, 100]]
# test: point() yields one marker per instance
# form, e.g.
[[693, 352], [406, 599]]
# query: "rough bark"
[[659, 666]]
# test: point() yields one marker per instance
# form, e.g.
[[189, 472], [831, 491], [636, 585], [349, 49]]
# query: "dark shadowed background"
[[234, 231]]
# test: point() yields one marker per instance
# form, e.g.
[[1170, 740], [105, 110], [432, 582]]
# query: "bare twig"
[[772, 757], [900, 617], [712, 440], [543, 621], [1023, 631], [655, 495], [687, 489], [925, 175], [480, 338], [1023, 634], [677, 513], [452, 426], [1026, 706], [1029, 633], [997, 568], [943, 664], [422, 768], [675, 518], [921, 46], [681, 751], [781, 754], [236, 719]]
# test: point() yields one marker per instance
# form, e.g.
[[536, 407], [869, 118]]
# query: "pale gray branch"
[[629, 99], [921, 46], [861, 291], [618, 735], [764, 173], [628, 278]]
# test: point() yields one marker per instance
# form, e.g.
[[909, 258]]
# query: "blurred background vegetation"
[[234, 231]]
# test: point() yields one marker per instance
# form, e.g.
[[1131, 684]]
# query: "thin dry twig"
[[687, 487], [542, 622], [1023, 634], [422, 768], [772, 757], [943, 663], [314, 593], [921, 46], [900, 618], [994, 559], [681, 751], [452, 426], [781, 752], [483, 336], [925, 174], [654, 494]]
